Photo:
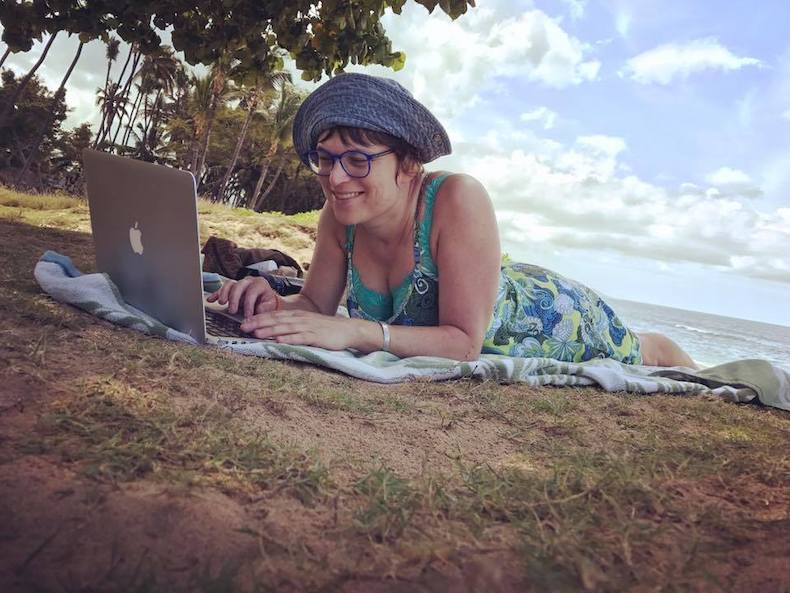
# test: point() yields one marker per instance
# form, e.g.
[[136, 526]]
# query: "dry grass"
[[131, 463]]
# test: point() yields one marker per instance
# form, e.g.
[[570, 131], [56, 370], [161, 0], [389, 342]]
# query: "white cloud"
[[731, 183], [776, 177], [746, 108], [543, 115], [786, 115], [552, 197], [576, 8], [81, 87], [663, 64], [608, 145], [475, 53], [622, 23], [726, 176], [88, 75]]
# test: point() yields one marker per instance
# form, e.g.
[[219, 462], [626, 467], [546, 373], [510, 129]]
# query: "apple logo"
[[136, 239]]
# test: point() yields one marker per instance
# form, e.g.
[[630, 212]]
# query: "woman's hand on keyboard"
[[249, 296], [312, 329]]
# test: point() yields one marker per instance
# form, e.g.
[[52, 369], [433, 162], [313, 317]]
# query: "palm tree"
[[157, 73], [282, 118], [112, 51], [58, 96], [124, 96], [251, 99], [199, 106], [218, 95], [5, 55], [151, 138], [103, 131], [150, 125], [112, 105], [182, 82], [24, 82], [143, 90]]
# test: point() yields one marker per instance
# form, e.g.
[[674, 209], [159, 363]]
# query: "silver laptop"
[[145, 232]]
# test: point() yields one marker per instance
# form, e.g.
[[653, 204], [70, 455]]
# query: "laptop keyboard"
[[223, 326]]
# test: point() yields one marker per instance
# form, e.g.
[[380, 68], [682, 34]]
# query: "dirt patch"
[[66, 533], [131, 463]]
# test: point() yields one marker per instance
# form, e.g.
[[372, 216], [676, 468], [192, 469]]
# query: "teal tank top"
[[537, 313], [415, 301]]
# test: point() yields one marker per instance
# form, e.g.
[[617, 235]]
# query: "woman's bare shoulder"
[[460, 196]]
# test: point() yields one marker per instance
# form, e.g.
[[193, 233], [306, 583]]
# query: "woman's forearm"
[[297, 301], [445, 340]]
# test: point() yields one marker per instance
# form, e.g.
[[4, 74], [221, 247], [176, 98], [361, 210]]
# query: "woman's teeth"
[[347, 195]]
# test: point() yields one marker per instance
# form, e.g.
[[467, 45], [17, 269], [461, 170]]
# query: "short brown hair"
[[406, 154]]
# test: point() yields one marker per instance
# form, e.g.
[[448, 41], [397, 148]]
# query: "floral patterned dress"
[[537, 313]]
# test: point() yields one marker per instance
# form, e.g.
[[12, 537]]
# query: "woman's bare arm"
[[327, 274], [466, 249], [465, 244]]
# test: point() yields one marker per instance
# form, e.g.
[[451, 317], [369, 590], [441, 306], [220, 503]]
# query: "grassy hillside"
[[294, 234], [129, 463]]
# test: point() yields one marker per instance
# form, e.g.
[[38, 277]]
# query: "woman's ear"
[[405, 174], [409, 167]]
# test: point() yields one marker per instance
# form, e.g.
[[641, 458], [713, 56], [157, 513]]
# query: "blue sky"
[[638, 146]]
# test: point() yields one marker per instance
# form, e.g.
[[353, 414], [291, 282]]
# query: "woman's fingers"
[[269, 325], [257, 293], [235, 293], [239, 292], [292, 326], [221, 296], [217, 294], [301, 338], [266, 305]]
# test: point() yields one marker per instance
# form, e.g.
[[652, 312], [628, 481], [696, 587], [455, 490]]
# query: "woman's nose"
[[338, 174]]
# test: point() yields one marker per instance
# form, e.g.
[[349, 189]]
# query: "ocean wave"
[[698, 330]]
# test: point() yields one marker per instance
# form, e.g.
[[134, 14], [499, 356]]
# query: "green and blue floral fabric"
[[537, 313], [541, 314]]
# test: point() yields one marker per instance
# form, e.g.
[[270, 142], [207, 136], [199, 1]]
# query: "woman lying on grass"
[[419, 252]]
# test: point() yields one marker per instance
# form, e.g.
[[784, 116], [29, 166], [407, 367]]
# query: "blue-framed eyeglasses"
[[354, 162]]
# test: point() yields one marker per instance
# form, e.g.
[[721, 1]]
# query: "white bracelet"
[[385, 329]]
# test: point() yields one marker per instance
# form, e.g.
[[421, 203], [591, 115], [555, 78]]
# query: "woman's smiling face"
[[357, 200]]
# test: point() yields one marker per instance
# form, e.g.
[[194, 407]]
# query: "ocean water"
[[709, 339]]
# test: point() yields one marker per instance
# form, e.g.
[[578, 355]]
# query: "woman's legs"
[[658, 350]]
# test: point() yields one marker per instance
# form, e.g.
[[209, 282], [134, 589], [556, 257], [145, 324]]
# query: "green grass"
[[581, 490], [389, 503], [13, 199], [116, 431]]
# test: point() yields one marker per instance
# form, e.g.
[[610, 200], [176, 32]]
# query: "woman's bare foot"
[[658, 350]]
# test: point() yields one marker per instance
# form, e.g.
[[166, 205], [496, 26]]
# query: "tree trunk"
[[149, 120], [259, 185], [106, 87], [58, 95], [100, 136], [23, 83], [217, 87], [194, 148], [101, 126], [5, 55], [236, 153], [132, 118], [262, 200], [124, 97], [206, 138], [126, 63]]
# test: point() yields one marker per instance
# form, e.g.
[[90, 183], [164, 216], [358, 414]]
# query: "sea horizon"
[[696, 312], [710, 339]]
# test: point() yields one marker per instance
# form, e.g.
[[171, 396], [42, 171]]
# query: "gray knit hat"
[[373, 103]]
